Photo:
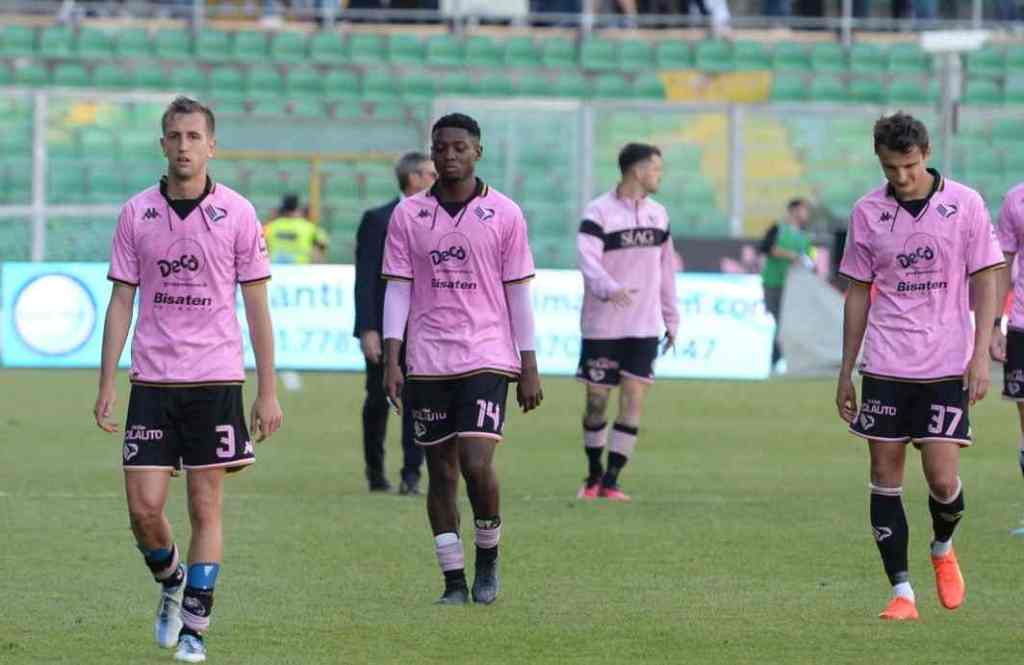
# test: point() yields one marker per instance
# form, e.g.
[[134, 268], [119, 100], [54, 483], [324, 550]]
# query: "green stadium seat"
[[249, 46], [456, 83], [380, 85], [866, 58], [56, 42], [1014, 159], [264, 82], [989, 61], [71, 75], [751, 56], [227, 83], [610, 86], [65, 185], [981, 91], [417, 86], [985, 162], [288, 47], [902, 91], [1014, 88], [189, 79], [521, 53], [571, 84], [558, 53], [788, 87], [213, 45], [229, 106], [635, 56], [6, 78], [867, 91], [141, 145], [599, 55], [908, 58], [30, 74], [403, 49], [483, 53], [95, 44], [444, 51], [342, 84], [118, 77], [142, 174], [828, 57], [16, 143], [826, 88], [534, 85], [106, 185], [134, 44], [495, 85], [673, 54], [648, 86], [305, 82], [791, 56], [326, 47], [151, 77], [1007, 131], [174, 44], [366, 49], [17, 41], [1014, 60], [714, 55], [348, 109], [307, 108]]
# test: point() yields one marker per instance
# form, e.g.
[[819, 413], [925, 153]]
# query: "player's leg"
[[443, 511], [375, 423], [941, 462], [624, 432], [1013, 382], [412, 456], [598, 369], [889, 524], [1020, 444]]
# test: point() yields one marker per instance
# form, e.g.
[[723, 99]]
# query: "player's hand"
[[668, 343], [976, 380], [621, 298], [105, 401], [369, 342], [529, 394], [393, 384], [997, 347], [266, 417], [846, 399]]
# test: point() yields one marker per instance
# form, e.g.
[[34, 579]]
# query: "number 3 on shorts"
[[227, 448], [939, 417], [488, 410]]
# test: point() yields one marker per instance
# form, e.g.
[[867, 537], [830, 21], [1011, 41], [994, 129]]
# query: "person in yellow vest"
[[291, 238]]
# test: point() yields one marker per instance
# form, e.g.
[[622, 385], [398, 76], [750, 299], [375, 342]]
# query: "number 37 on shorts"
[[903, 411]]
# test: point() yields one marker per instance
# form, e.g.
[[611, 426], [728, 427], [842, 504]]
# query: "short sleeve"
[[516, 257], [1008, 231], [397, 253], [983, 250], [124, 261], [858, 259], [252, 260]]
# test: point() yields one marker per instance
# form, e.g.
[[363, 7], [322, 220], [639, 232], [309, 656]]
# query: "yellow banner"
[[696, 86]]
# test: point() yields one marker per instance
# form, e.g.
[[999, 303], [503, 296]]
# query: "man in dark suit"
[[415, 172]]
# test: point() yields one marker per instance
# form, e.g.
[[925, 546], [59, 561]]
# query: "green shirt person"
[[783, 244], [291, 238]]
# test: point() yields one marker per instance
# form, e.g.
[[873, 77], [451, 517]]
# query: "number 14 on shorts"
[[488, 410]]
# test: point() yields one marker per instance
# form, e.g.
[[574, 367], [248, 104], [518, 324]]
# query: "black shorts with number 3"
[[904, 411], [467, 406], [195, 427]]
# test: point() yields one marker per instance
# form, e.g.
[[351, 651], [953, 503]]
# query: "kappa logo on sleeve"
[[151, 213], [885, 217], [423, 213]]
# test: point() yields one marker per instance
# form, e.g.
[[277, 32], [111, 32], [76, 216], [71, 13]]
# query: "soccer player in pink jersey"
[[926, 245], [458, 266], [1009, 348], [624, 250], [184, 246]]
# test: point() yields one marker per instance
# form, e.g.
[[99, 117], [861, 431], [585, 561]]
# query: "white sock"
[[904, 590], [941, 549]]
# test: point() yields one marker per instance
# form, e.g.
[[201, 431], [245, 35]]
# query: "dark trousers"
[[773, 303], [375, 422]]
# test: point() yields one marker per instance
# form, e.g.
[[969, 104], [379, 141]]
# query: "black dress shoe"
[[409, 488]]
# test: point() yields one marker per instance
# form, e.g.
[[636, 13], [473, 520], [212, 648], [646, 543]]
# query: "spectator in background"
[[291, 238], [776, 7]]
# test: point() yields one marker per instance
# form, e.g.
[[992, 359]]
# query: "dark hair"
[[458, 121], [796, 203], [900, 132], [289, 202], [407, 165], [184, 105], [634, 153]]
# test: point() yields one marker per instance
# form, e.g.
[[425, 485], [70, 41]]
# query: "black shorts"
[[604, 362], [1013, 370], [469, 406], [200, 427], [903, 411]]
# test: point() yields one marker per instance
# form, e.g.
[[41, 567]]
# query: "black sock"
[[945, 516], [454, 579], [889, 523], [1020, 459], [176, 578], [486, 556], [615, 463], [594, 470]]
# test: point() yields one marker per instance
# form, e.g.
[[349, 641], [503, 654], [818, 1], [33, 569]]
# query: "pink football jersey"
[[919, 325], [458, 319], [626, 244], [187, 272], [1011, 226]]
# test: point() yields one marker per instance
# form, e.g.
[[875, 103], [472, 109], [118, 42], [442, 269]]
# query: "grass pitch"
[[747, 542]]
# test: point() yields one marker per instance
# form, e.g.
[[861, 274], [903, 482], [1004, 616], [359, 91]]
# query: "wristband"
[[999, 322]]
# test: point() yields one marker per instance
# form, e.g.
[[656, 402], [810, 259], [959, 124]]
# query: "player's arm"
[[855, 322], [397, 303], [997, 347], [669, 304], [983, 294], [589, 250], [115, 333], [266, 412], [529, 394]]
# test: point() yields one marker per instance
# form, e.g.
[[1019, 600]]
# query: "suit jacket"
[[373, 231]]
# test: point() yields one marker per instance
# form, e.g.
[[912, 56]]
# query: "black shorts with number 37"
[[904, 411], [195, 427], [466, 406]]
